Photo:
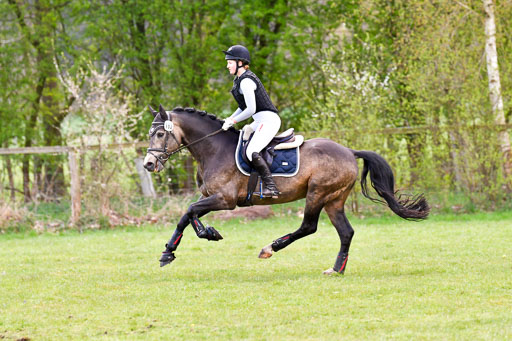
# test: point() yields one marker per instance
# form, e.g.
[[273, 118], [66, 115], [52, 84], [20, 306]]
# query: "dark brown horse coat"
[[327, 173]]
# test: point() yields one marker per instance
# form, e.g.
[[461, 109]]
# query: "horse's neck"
[[214, 153], [213, 150]]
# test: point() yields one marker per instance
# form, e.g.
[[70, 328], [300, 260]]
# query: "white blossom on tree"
[[106, 110]]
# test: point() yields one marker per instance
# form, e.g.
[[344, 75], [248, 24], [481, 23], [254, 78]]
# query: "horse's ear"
[[153, 111], [163, 113]]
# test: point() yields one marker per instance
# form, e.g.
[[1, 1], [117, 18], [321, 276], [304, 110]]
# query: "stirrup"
[[270, 194], [266, 192]]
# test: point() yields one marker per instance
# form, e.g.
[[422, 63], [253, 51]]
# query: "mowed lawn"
[[445, 278]]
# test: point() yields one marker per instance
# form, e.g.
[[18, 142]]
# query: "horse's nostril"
[[150, 166]]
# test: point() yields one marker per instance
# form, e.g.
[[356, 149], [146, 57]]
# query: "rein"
[[191, 143], [169, 127], [196, 141]]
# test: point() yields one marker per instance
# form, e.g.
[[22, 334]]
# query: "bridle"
[[165, 154], [168, 126]]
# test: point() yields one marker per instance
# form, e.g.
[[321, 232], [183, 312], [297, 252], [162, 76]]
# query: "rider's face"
[[231, 66]]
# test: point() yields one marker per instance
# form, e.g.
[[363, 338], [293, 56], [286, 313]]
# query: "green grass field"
[[447, 278]]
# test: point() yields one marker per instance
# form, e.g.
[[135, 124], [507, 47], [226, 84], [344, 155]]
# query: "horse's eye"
[[160, 135]]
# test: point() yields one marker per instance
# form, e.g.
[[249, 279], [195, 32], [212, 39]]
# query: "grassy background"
[[445, 278]]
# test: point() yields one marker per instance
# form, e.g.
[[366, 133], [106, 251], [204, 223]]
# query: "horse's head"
[[164, 139]]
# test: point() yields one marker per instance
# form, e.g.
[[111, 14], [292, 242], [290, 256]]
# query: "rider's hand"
[[229, 122]]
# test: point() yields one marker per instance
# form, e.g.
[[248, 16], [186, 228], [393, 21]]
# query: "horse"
[[327, 174]]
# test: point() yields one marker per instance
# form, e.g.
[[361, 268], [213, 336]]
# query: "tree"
[[287, 40], [14, 80], [100, 105], [495, 84], [382, 33], [37, 24]]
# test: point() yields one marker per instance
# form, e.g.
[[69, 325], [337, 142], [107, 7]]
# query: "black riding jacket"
[[263, 101]]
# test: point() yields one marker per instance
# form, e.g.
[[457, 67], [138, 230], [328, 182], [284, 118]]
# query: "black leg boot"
[[270, 189]]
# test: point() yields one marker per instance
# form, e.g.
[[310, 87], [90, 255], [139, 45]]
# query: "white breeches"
[[266, 125]]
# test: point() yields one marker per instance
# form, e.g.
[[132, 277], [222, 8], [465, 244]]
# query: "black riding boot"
[[270, 189]]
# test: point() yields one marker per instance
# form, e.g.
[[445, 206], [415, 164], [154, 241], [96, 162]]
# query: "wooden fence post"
[[76, 206]]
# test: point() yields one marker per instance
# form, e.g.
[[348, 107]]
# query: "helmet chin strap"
[[238, 67]]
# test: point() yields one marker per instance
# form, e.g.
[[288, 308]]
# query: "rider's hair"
[[244, 64]]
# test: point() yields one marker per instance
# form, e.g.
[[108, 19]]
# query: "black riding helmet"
[[238, 52]]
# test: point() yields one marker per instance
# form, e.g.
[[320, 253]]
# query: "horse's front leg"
[[203, 206], [171, 246]]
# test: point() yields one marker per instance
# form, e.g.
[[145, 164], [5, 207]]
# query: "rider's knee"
[[251, 153]]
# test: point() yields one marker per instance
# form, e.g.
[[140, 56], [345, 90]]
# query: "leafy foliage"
[[352, 70]]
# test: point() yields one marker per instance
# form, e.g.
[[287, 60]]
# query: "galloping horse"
[[327, 174]]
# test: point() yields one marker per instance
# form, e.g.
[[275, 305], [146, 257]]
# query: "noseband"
[[168, 126]]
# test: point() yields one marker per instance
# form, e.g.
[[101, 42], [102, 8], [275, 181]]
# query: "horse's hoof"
[[167, 258], [330, 272], [210, 233], [213, 234], [266, 252]]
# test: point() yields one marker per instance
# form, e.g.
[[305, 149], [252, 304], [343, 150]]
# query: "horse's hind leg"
[[308, 226], [336, 212]]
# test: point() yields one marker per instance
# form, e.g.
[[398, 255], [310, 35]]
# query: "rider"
[[253, 101]]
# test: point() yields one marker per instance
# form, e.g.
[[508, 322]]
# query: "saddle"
[[281, 154], [285, 140]]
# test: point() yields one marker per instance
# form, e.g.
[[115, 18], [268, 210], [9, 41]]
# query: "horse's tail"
[[383, 181]]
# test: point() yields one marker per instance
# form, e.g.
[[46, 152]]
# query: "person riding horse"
[[253, 101], [325, 178]]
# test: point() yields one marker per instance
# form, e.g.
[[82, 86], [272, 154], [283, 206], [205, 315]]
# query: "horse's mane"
[[201, 113]]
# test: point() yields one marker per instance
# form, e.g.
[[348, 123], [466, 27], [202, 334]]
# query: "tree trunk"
[[8, 165], [25, 168], [146, 182], [495, 84], [53, 176], [76, 206], [37, 183]]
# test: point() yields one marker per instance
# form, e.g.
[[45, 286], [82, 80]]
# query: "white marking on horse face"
[[149, 158]]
